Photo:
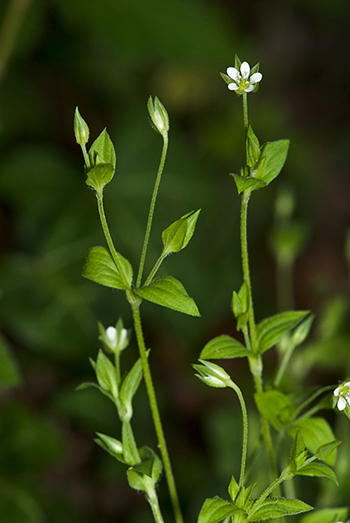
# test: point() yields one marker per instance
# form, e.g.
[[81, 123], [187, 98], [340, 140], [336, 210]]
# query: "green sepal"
[[113, 446], [301, 332], [273, 156], [278, 508], [240, 301], [169, 292], [128, 389], [88, 384], [106, 374], [320, 470], [252, 148], [178, 234], [102, 151], [275, 407], [99, 176], [226, 78], [158, 115], [224, 347], [316, 433], [216, 509], [243, 184], [270, 330], [326, 515], [100, 268], [238, 63]]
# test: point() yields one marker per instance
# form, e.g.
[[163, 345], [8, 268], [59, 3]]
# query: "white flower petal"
[[255, 78], [341, 403], [347, 384], [336, 392], [245, 70], [233, 73], [233, 87], [249, 88], [111, 333]]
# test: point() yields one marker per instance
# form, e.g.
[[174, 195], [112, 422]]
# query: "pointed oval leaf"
[[129, 387], [169, 292], [100, 268], [318, 469], [216, 509], [270, 330], [275, 407], [99, 176], [247, 183], [106, 374], [316, 432], [278, 508], [178, 234], [224, 347], [273, 156], [102, 150]]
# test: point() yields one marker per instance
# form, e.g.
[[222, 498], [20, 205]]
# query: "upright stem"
[[245, 111], [155, 415], [151, 209]]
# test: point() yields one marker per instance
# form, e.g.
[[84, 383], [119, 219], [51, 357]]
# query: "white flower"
[[111, 333], [343, 394], [242, 80], [117, 337]]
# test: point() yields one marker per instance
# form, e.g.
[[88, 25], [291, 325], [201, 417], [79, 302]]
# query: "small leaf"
[[129, 387], [316, 432], [278, 508], [169, 292], [317, 469], [106, 374], [102, 151], [270, 330], [150, 464], [252, 148], [273, 155], [217, 509], [247, 183], [224, 347], [233, 489], [100, 268], [275, 407], [178, 234], [99, 176]]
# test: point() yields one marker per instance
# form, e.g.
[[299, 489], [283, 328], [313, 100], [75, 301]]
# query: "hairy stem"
[[245, 431], [155, 414]]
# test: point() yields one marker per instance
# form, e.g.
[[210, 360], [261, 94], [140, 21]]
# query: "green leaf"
[[99, 176], [129, 387], [273, 157], [169, 292], [111, 445], [100, 268], [178, 234], [102, 151], [150, 464], [278, 508], [106, 374], [317, 469], [9, 373], [326, 515], [224, 347], [247, 183], [233, 489], [216, 509], [275, 407], [316, 432], [270, 330], [252, 148]]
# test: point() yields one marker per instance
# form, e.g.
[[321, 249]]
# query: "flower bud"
[[158, 115], [81, 129]]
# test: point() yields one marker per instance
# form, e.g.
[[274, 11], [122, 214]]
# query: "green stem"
[[10, 29], [246, 271], [313, 397], [245, 111], [154, 270], [155, 414], [151, 209], [245, 431], [285, 360], [153, 501], [274, 486], [114, 254]]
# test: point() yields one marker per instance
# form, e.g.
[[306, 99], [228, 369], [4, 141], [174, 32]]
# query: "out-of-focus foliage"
[[108, 57]]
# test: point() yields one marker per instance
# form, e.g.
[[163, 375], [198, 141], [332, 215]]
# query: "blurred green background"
[[107, 57]]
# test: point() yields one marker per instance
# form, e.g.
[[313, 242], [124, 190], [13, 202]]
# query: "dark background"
[[107, 57]]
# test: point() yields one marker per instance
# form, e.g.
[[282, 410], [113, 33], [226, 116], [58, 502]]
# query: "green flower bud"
[[159, 116], [81, 129]]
